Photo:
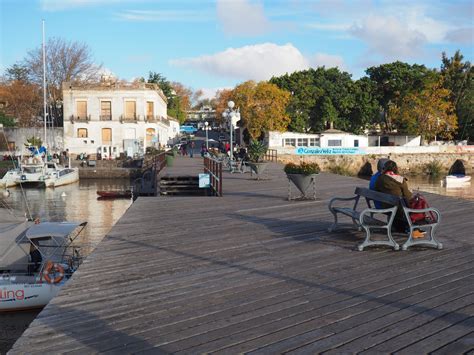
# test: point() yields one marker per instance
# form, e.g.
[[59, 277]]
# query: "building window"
[[334, 143], [149, 110], [106, 110], [289, 141], [82, 133], [314, 142], [130, 109], [356, 142], [302, 142], [106, 136], [81, 109]]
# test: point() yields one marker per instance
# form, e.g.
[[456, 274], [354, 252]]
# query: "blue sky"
[[216, 44]]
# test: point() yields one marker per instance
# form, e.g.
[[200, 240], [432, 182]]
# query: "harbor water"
[[76, 202]]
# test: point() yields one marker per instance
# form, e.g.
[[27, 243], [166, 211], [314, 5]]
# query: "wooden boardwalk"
[[253, 272]]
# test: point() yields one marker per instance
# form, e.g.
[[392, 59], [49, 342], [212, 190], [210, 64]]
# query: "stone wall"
[[415, 164]]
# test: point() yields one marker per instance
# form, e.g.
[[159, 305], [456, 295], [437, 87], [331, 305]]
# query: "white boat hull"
[[14, 297], [57, 179], [10, 178], [456, 181]]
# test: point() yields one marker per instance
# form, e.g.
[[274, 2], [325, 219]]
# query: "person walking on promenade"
[[191, 148]]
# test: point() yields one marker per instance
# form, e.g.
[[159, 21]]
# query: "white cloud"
[[257, 62], [240, 17], [163, 16], [210, 93], [60, 5], [389, 37], [461, 35]]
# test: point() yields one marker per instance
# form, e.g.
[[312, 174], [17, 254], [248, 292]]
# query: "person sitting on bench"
[[390, 182]]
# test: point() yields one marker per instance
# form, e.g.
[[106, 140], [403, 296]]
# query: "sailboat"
[[34, 167]]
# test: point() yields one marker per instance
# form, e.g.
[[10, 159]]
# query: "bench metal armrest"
[[334, 199], [371, 211], [408, 210]]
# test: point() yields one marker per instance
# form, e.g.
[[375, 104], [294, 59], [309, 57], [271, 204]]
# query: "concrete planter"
[[258, 168], [302, 182]]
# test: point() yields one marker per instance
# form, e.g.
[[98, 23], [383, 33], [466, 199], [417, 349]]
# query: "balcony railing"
[[134, 119], [75, 118], [151, 118], [105, 117]]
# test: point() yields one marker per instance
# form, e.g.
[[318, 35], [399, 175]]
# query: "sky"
[[212, 45]]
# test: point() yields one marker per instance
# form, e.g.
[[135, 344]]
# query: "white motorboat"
[[33, 170], [36, 260], [456, 180]]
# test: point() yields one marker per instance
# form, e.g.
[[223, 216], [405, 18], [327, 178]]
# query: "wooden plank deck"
[[253, 272]]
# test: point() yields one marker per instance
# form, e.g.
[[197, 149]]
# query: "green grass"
[[340, 170], [434, 168]]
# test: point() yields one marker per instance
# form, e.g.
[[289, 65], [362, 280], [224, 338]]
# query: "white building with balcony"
[[115, 117]]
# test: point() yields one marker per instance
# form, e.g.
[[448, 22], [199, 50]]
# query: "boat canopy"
[[52, 230]]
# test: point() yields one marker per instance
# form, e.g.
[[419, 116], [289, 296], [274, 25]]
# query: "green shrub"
[[433, 168], [302, 168], [256, 151]]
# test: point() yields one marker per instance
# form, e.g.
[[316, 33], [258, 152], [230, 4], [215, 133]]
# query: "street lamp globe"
[[231, 104]]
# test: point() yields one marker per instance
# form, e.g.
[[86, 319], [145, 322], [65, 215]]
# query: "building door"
[[150, 134], [106, 110], [106, 136], [130, 109], [149, 110], [81, 108]]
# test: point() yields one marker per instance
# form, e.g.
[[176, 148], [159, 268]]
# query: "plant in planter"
[[302, 175], [256, 152]]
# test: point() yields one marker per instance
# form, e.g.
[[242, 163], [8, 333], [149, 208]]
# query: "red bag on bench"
[[419, 202]]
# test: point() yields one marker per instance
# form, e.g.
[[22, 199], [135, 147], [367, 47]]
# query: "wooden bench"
[[372, 218]]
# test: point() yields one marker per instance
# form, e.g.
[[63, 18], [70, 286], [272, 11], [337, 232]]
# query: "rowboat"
[[115, 193]]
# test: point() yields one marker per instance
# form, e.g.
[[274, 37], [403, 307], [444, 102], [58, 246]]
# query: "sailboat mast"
[[44, 87]]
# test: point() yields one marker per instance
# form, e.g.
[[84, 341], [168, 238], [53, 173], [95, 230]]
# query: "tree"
[[160, 80], [429, 113], [458, 76], [17, 72], [222, 98], [65, 62], [394, 81], [6, 121], [23, 102], [318, 96], [262, 107], [366, 111]]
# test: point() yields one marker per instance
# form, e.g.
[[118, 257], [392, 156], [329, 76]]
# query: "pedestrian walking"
[[191, 148]]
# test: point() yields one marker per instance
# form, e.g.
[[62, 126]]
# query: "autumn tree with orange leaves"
[[428, 113], [262, 107]]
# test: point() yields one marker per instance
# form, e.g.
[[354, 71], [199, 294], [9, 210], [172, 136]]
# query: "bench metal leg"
[[334, 225], [367, 242], [429, 240]]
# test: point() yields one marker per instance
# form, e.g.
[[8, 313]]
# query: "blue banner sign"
[[328, 151]]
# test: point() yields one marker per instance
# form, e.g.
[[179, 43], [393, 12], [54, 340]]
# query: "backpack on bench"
[[419, 202]]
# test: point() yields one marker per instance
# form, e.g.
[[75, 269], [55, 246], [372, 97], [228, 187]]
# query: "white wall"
[[275, 139], [348, 140], [403, 141]]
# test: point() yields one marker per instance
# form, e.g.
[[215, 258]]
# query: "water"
[[79, 204], [434, 185]]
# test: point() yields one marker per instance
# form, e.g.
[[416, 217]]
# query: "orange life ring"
[[58, 270]]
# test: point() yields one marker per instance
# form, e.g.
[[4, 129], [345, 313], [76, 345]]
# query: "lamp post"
[[232, 116], [206, 124]]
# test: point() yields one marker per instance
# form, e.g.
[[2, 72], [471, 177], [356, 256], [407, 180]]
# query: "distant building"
[[114, 117], [204, 114], [330, 138]]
